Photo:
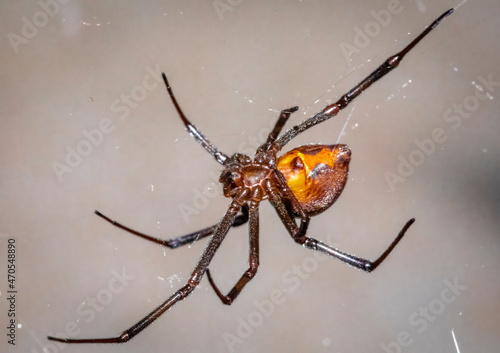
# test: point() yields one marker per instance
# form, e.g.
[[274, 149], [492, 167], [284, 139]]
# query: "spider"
[[300, 184]]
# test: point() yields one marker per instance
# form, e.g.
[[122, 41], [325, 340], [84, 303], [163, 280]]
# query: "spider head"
[[316, 174]]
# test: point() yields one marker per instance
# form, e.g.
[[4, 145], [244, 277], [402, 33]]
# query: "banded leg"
[[314, 244], [362, 264], [333, 109], [253, 259], [195, 278], [193, 130], [184, 239]]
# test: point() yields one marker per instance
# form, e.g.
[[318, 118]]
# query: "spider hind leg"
[[298, 234], [362, 264], [201, 267]]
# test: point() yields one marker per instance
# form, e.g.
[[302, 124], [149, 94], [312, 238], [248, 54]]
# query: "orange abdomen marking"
[[316, 174]]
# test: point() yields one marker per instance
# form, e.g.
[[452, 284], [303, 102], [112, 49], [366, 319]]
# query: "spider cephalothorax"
[[299, 184], [246, 180]]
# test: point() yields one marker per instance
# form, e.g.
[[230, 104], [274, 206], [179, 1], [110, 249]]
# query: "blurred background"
[[87, 124]]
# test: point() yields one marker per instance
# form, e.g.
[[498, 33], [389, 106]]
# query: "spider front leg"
[[184, 239], [253, 258], [219, 156], [195, 278]]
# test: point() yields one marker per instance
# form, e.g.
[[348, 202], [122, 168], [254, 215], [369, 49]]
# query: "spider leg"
[[184, 239], [193, 130], [253, 259], [284, 115], [362, 264], [333, 109], [262, 153], [295, 207], [195, 278], [314, 244]]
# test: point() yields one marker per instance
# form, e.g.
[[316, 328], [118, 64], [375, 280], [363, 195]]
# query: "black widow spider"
[[302, 183]]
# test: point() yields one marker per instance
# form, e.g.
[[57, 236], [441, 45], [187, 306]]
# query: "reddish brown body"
[[303, 182], [316, 174]]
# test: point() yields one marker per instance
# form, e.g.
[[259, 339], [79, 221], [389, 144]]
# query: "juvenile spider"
[[301, 183]]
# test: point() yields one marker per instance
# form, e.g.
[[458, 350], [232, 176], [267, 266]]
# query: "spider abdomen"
[[316, 174]]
